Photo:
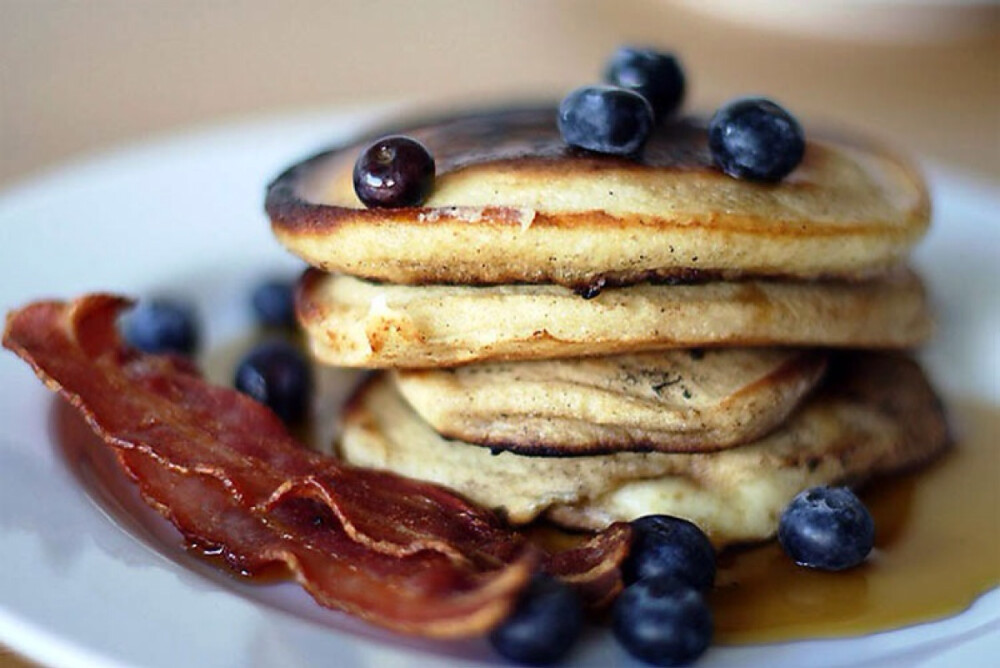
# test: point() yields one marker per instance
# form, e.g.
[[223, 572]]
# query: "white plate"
[[81, 584]]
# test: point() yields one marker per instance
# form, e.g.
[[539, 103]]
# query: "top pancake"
[[512, 203]]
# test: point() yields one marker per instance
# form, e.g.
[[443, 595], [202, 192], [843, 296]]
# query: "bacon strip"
[[403, 554], [593, 567]]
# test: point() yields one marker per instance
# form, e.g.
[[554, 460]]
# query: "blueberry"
[[276, 374], [827, 528], [662, 621], [543, 627], [162, 326], [656, 76], [664, 545], [605, 119], [755, 139], [274, 303], [393, 172]]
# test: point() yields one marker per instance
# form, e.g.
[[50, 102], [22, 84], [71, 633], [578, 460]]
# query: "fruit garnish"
[[655, 75], [670, 546], [827, 528], [394, 172], [544, 626], [273, 303], [662, 621], [276, 374], [605, 119], [162, 326], [755, 139]]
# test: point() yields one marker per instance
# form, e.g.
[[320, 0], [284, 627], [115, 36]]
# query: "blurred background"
[[83, 77], [80, 77]]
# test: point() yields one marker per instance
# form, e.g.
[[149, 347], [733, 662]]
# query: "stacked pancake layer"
[[876, 414], [592, 339]]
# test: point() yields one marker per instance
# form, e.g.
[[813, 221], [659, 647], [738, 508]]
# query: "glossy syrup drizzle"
[[937, 550]]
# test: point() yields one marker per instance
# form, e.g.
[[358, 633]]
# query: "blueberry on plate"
[[273, 303], [662, 621], [670, 546], [655, 75], [544, 626], [277, 375], [394, 171], [605, 119], [755, 139], [162, 326], [827, 528]]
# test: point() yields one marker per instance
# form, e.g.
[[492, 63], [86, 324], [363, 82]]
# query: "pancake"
[[512, 203], [671, 401], [876, 414], [352, 322]]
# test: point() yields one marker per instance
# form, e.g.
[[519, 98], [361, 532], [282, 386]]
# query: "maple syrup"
[[937, 549]]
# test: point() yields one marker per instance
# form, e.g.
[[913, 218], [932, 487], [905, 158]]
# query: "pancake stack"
[[589, 338]]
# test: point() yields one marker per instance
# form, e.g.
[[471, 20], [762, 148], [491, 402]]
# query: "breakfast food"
[[676, 400], [756, 139], [653, 74], [513, 204], [531, 310], [406, 555], [876, 415], [466, 287], [353, 322], [827, 528], [598, 316]]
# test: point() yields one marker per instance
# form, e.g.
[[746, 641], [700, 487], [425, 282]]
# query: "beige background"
[[82, 77]]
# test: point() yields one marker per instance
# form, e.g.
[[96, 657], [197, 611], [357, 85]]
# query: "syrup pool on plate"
[[937, 548]]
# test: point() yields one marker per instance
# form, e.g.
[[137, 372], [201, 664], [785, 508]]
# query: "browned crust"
[[810, 366], [876, 379], [679, 147], [913, 327], [308, 309], [891, 382]]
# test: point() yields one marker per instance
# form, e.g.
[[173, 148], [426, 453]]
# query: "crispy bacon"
[[400, 553], [593, 567]]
